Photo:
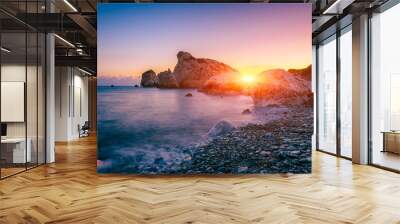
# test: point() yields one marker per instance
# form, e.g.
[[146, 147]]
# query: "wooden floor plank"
[[70, 191]]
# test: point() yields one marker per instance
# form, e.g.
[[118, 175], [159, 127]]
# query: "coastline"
[[281, 145]]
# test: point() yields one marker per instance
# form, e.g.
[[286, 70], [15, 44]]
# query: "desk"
[[391, 141], [16, 147]]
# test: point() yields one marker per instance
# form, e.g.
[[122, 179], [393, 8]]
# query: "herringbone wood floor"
[[70, 191]]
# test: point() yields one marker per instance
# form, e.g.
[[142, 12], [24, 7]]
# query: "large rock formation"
[[149, 79], [280, 87], [225, 84], [191, 72], [292, 87], [167, 80], [276, 86], [304, 73]]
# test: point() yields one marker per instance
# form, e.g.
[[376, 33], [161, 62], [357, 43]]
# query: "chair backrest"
[[86, 125]]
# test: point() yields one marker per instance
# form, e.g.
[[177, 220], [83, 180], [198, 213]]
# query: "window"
[[327, 95], [346, 93], [385, 89]]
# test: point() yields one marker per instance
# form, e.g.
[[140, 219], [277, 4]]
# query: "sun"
[[248, 79]]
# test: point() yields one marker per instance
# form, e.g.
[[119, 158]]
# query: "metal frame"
[[316, 97], [338, 98], [0, 93], [37, 92], [339, 32], [369, 98], [317, 94], [26, 90]]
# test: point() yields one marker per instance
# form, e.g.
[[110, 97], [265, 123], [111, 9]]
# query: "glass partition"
[[14, 153], [22, 88], [327, 95]]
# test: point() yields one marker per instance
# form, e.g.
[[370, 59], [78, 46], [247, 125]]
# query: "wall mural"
[[204, 88]]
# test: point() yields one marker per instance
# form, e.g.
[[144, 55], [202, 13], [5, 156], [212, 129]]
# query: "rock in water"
[[189, 95], [166, 79], [246, 111], [136, 86], [149, 79], [221, 128], [191, 72]]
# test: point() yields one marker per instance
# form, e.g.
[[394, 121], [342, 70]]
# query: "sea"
[[138, 125]]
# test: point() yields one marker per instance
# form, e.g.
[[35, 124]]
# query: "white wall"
[[9, 73], [80, 110], [33, 127], [16, 73], [62, 82], [71, 102]]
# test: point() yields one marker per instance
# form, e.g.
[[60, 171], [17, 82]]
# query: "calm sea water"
[[146, 119]]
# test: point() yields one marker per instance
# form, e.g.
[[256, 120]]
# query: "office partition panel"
[[15, 149], [23, 90]]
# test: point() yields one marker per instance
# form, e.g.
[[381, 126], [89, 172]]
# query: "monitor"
[[3, 129]]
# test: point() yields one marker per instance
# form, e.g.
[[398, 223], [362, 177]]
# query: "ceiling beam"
[[86, 27], [77, 61], [338, 6]]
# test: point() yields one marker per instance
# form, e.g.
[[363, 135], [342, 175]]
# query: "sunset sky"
[[133, 38]]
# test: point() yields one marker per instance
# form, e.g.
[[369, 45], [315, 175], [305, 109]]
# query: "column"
[[360, 90]]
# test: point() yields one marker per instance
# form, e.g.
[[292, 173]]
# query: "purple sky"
[[133, 38]]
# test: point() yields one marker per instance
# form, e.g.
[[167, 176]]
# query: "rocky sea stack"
[[276, 86], [246, 111], [167, 80], [191, 72], [149, 79]]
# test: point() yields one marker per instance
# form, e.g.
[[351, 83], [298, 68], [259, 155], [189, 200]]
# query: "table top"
[[13, 140], [391, 132]]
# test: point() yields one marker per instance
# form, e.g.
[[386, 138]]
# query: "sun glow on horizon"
[[248, 79]]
